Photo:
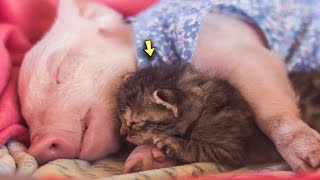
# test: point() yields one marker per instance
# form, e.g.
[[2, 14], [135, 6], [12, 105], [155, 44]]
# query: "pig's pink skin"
[[146, 157], [68, 81]]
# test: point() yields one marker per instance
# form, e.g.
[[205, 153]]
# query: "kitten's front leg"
[[190, 151]]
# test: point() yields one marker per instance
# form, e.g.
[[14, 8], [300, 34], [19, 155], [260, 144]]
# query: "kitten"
[[193, 117]]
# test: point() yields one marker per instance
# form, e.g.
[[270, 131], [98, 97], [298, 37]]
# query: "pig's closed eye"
[[69, 65], [54, 64]]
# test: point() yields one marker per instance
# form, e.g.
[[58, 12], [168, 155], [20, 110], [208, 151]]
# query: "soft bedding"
[[14, 159]]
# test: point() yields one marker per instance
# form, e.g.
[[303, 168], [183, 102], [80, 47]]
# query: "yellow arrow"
[[149, 50]]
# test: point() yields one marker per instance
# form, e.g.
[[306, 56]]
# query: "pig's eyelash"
[[58, 81], [84, 121], [55, 61]]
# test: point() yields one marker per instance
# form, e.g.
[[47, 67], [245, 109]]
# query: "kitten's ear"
[[168, 99]]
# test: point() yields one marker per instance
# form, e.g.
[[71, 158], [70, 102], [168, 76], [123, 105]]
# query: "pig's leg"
[[146, 157], [261, 78]]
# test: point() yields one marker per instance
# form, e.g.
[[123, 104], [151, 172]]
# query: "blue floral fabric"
[[291, 28]]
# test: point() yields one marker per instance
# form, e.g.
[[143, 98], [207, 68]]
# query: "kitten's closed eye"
[[136, 125]]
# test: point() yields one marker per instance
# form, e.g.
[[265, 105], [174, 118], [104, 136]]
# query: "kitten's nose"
[[123, 131]]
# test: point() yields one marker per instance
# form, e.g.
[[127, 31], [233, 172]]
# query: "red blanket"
[[22, 23]]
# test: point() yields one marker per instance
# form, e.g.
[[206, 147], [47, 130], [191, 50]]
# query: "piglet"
[[68, 81]]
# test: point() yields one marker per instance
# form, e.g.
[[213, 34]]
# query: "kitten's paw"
[[168, 145]]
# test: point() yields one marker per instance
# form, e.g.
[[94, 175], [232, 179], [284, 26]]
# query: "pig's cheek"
[[100, 139]]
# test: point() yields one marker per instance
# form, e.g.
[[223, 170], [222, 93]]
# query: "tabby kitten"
[[193, 117]]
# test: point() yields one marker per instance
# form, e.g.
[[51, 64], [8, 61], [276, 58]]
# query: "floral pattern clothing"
[[291, 28]]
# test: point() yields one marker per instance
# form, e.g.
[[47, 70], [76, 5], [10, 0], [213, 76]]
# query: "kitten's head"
[[149, 103], [156, 100], [148, 113]]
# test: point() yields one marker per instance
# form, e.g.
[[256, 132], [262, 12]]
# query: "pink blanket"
[[22, 23]]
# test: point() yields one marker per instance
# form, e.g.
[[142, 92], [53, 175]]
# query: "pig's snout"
[[53, 147]]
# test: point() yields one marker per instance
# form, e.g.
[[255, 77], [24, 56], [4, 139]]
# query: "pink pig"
[[68, 81], [64, 79]]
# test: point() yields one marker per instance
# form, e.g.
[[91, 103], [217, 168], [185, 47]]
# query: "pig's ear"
[[68, 9], [168, 99], [105, 18]]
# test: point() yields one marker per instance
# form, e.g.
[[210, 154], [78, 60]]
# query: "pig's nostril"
[[54, 147]]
